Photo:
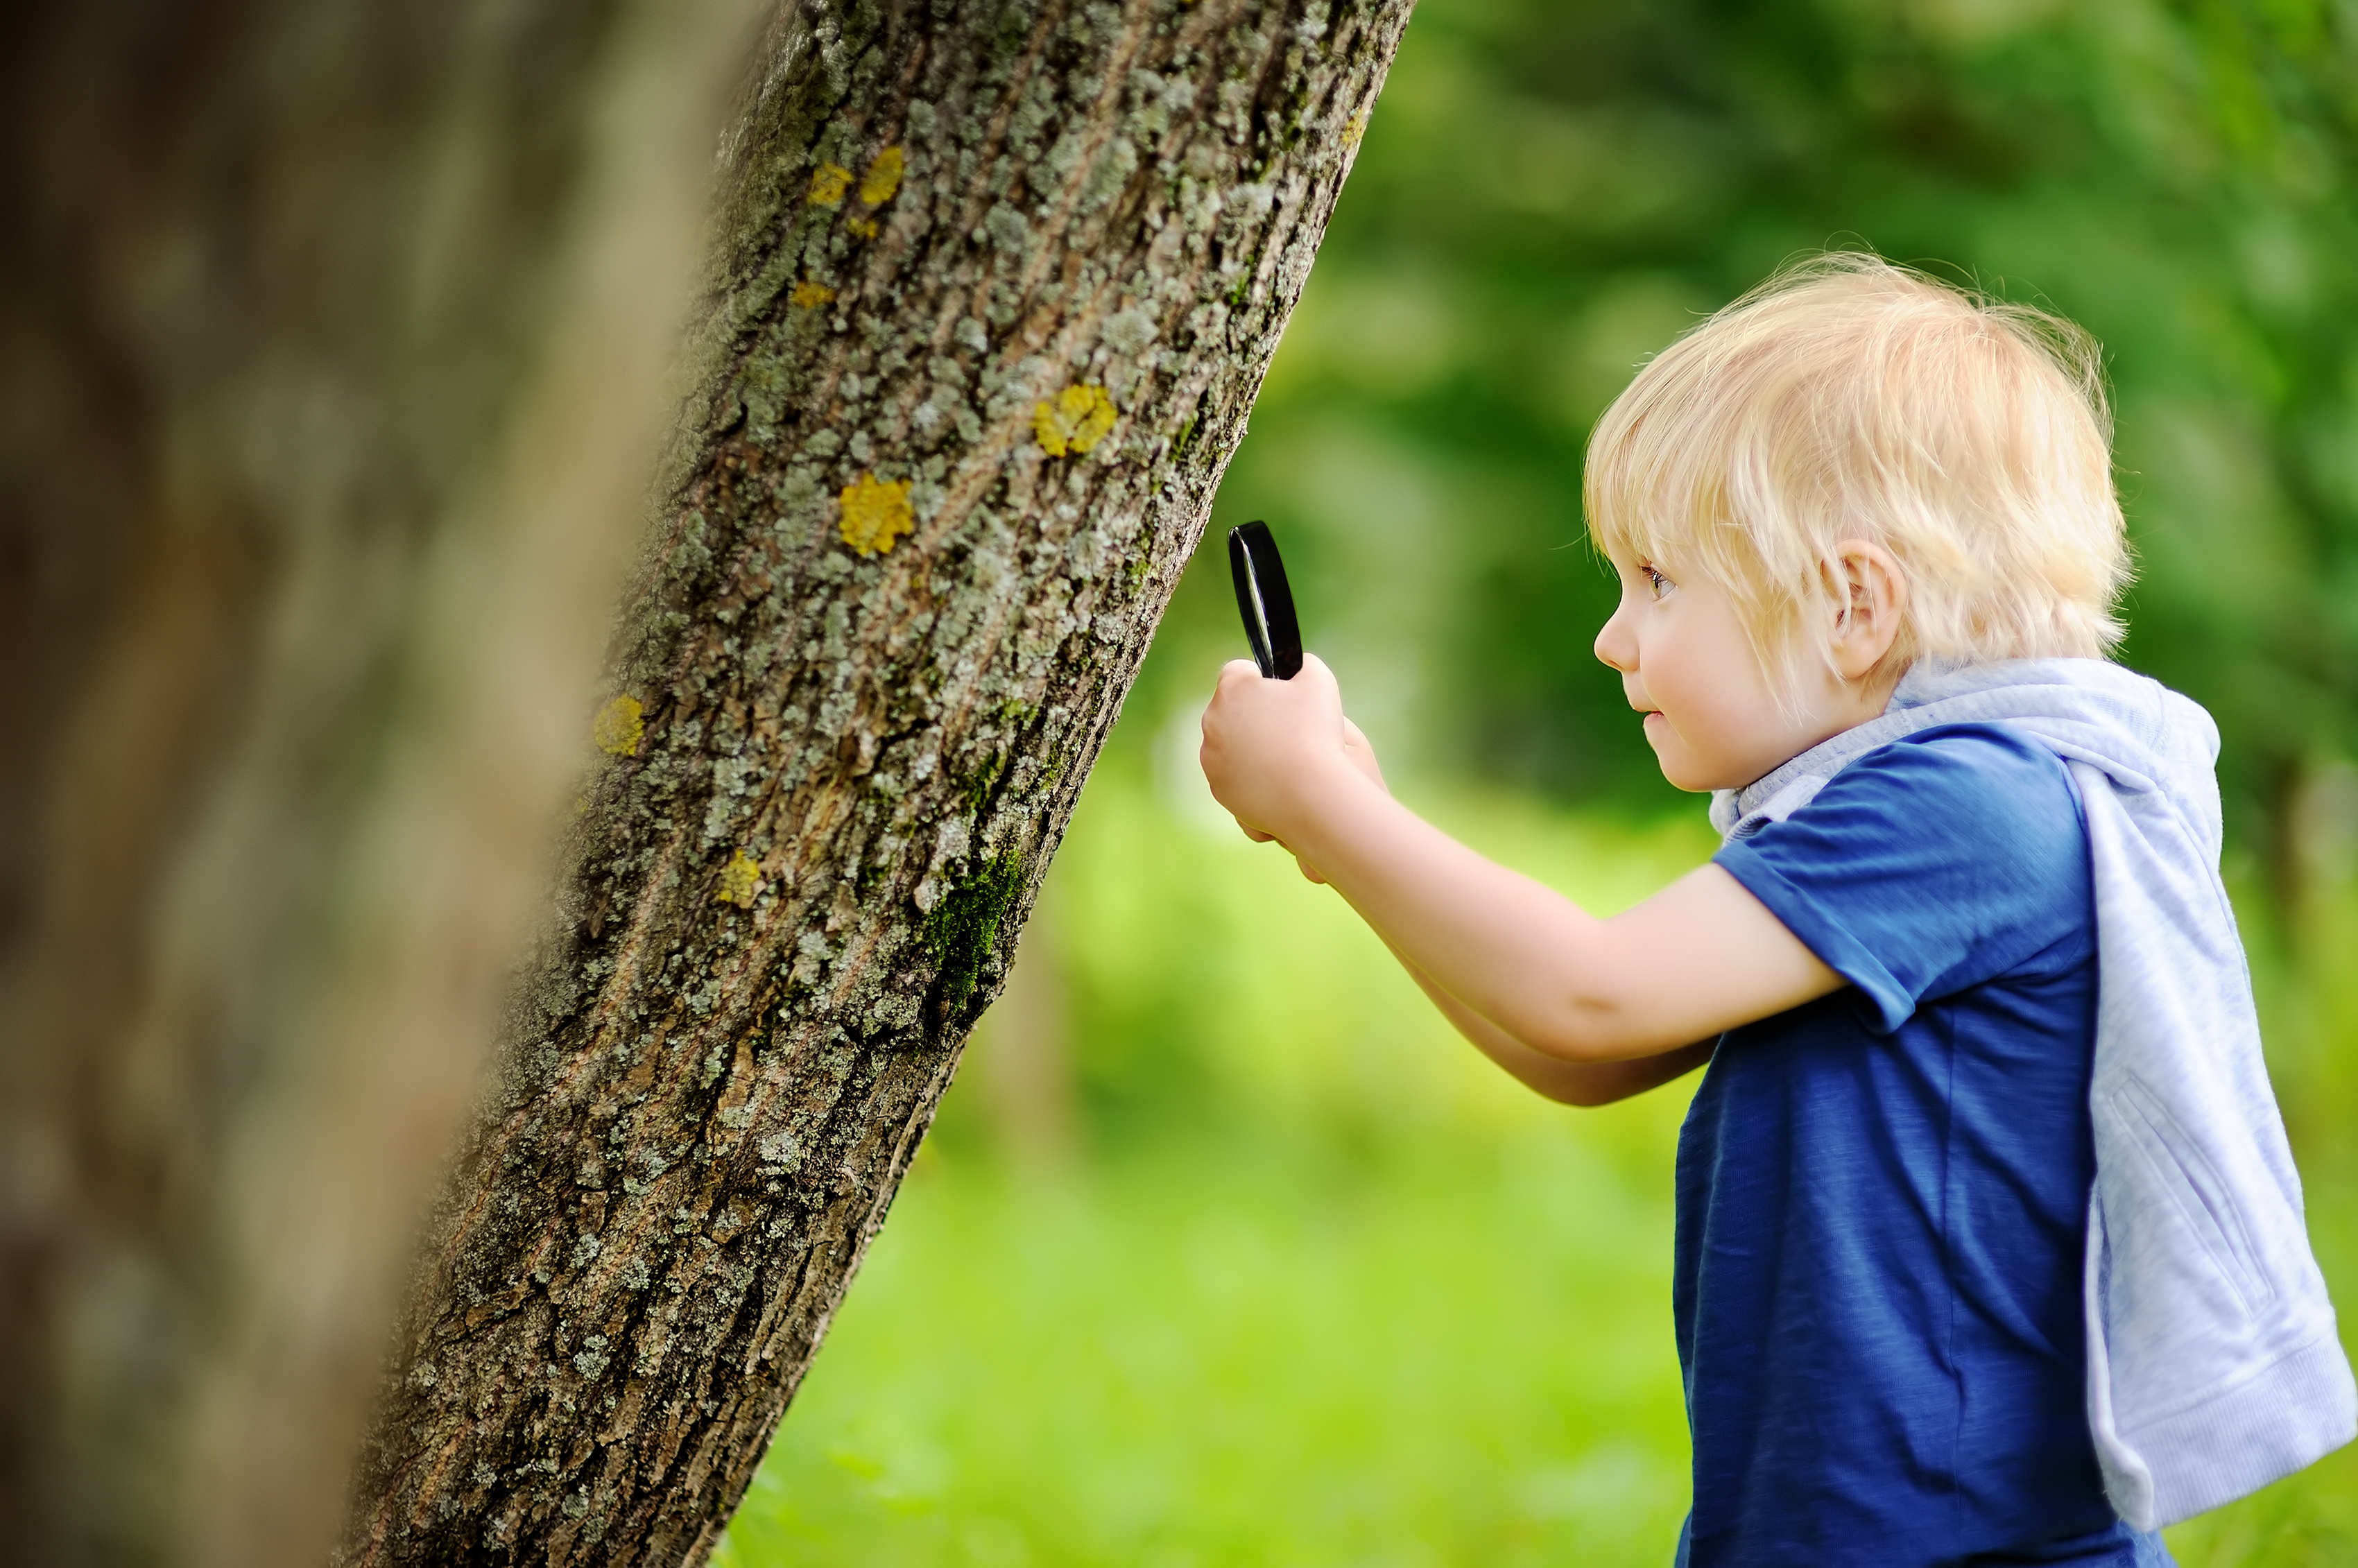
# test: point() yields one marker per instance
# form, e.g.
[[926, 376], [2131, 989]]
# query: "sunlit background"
[[1224, 1250]]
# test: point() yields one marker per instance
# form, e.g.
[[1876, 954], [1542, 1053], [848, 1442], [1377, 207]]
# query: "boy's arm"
[[1700, 957], [1570, 1083]]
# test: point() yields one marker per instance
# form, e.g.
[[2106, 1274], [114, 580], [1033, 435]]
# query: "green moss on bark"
[[962, 930]]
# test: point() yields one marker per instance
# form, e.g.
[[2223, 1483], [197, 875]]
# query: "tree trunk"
[[994, 289], [328, 341]]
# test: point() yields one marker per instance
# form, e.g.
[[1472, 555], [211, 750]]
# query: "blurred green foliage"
[[1323, 1288], [1549, 193]]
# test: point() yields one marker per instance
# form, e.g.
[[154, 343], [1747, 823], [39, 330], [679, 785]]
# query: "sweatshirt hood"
[[2138, 732]]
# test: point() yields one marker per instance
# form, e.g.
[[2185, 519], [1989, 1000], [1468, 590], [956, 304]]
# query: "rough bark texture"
[[1005, 276], [328, 342]]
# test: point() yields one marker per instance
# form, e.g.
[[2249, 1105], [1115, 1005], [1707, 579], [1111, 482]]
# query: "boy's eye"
[[1656, 583]]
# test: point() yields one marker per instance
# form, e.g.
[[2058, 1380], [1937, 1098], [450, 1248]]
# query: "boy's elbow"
[[1586, 1087], [1589, 1031]]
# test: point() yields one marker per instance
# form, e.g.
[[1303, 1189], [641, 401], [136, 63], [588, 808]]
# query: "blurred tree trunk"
[[1025, 1054], [330, 339], [994, 289]]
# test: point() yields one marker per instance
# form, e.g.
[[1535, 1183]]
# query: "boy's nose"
[[1615, 646]]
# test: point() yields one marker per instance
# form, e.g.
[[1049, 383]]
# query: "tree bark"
[[994, 288], [329, 338]]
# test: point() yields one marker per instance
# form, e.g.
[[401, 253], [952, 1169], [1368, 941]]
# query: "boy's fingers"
[[1236, 670], [1231, 673], [1258, 836], [1315, 672]]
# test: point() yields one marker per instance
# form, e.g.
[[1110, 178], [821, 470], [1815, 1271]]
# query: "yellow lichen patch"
[[1353, 128], [811, 296], [875, 513], [619, 727], [882, 178], [740, 879], [1073, 420], [828, 184], [863, 227]]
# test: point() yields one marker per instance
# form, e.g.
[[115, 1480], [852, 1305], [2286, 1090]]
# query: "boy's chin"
[[1682, 774]]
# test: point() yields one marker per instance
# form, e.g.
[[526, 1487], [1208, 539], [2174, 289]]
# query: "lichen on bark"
[[934, 222]]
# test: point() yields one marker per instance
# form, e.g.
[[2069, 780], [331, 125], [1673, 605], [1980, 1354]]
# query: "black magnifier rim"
[[1264, 600]]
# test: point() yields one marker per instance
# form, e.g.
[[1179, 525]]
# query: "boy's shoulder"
[[1982, 788], [1986, 766], [1954, 856]]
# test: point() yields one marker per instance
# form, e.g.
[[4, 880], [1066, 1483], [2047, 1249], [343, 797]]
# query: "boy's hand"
[[1272, 749]]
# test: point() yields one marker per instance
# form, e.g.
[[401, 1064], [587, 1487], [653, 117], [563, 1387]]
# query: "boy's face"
[[1712, 715]]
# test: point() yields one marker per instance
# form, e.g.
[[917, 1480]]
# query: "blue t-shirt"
[[1883, 1193]]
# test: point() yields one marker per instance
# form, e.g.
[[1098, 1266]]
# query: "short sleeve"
[[1937, 862]]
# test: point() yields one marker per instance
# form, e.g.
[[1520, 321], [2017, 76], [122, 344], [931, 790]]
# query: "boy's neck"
[[1836, 707]]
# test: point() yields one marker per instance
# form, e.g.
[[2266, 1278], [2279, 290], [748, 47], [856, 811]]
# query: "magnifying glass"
[[1265, 602]]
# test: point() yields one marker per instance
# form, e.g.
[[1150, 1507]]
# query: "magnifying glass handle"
[[1265, 602]]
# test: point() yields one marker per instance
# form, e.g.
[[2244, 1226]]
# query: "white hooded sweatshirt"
[[2213, 1365]]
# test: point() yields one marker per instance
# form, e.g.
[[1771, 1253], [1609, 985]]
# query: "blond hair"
[[1847, 398]]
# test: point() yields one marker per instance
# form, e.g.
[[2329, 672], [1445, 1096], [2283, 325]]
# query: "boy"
[[1978, 1262]]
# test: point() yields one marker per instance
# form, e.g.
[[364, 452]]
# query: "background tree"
[[994, 289], [328, 341], [330, 348]]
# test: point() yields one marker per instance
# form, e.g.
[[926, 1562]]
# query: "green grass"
[[1325, 1288], [1453, 1356]]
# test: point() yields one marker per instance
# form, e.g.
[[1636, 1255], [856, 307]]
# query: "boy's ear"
[[1870, 594]]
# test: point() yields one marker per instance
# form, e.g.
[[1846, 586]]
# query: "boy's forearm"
[[1521, 956], [1570, 1083]]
